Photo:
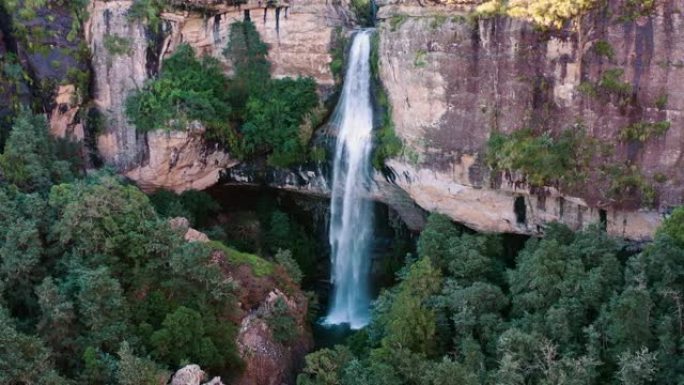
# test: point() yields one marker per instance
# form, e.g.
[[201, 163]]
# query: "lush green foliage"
[[272, 121], [95, 286], [187, 89], [542, 159], [603, 48], [643, 131], [573, 308], [30, 160], [363, 9], [148, 11], [197, 206]]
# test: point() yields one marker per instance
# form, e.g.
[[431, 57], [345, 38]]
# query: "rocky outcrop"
[[267, 361], [311, 180], [452, 80], [63, 118], [125, 54], [193, 375], [180, 160], [265, 302]]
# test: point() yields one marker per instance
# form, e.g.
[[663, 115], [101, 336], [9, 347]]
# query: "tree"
[[408, 321], [284, 259], [134, 370], [547, 13], [187, 90], [637, 368], [184, 337], [101, 308], [110, 223], [325, 366], [28, 160], [23, 358]]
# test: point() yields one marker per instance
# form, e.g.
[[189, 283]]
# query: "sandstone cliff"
[[299, 39], [453, 79]]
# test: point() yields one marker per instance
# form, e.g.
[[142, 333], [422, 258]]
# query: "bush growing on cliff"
[[544, 159], [188, 89], [251, 114]]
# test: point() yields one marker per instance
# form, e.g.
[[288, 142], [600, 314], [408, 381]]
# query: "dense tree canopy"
[[573, 308], [96, 287]]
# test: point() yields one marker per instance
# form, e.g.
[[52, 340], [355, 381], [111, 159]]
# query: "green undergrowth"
[[610, 84], [260, 267], [627, 182], [571, 160], [644, 131], [338, 49], [544, 159]]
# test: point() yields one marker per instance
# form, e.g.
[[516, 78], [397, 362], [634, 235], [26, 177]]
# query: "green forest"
[[569, 308], [97, 286]]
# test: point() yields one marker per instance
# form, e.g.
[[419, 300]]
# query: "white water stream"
[[351, 213]]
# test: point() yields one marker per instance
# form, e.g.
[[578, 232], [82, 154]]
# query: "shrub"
[[284, 259], [643, 131], [545, 13], [603, 48], [611, 82], [148, 11], [187, 90], [396, 21], [543, 159], [627, 182], [281, 322], [661, 101], [117, 45]]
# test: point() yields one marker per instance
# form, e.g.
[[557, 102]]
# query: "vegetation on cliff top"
[[547, 13], [556, 13], [251, 114], [572, 308]]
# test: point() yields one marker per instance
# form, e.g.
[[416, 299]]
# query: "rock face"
[[299, 44], [451, 81], [298, 36], [193, 375], [117, 72], [268, 362], [180, 160]]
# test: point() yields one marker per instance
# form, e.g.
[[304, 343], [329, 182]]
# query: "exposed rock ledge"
[[494, 210], [179, 161]]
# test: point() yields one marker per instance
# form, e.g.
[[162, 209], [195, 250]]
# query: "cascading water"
[[351, 217]]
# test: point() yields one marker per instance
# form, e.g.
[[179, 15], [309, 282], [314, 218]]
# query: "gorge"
[[470, 191]]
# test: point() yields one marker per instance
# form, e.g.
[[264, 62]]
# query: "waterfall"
[[351, 213]]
